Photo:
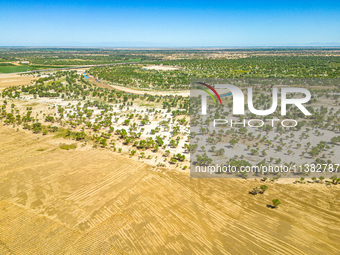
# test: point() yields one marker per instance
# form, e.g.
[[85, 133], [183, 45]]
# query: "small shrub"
[[255, 191], [263, 188], [276, 202], [68, 146]]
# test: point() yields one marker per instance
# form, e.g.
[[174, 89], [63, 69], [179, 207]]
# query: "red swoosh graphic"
[[213, 90]]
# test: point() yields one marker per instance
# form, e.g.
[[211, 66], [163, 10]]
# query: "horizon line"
[[146, 47]]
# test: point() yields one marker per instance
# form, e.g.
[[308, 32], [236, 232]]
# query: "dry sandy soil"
[[160, 68], [7, 80], [92, 201]]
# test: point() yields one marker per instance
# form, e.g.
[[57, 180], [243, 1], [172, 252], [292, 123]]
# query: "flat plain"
[[90, 201]]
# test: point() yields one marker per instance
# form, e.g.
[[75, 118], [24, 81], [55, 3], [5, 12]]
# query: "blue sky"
[[169, 23]]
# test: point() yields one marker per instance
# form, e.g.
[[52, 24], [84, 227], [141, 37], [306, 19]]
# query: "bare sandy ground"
[[92, 201], [160, 68], [8, 80]]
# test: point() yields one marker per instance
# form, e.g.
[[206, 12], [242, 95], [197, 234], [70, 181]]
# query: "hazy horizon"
[[156, 46], [169, 23]]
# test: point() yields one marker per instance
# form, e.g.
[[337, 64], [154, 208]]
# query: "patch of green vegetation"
[[73, 56], [32, 104], [13, 69], [66, 133], [336, 65], [57, 82], [41, 67], [68, 146], [135, 59], [62, 133], [145, 104], [252, 67], [6, 64], [10, 68]]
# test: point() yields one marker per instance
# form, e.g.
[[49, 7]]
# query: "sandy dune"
[[93, 201]]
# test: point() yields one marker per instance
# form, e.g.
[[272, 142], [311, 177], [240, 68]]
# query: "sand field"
[[8, 80], [93, 201]]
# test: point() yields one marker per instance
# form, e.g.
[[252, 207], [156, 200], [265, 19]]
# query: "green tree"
[[173, 160], [321, 178], [263, 188], [334, 179], [220, 152], [276, 202], [80, 136], [36, 127]]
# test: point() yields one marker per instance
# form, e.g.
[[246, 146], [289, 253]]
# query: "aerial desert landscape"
[[91, 165]]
